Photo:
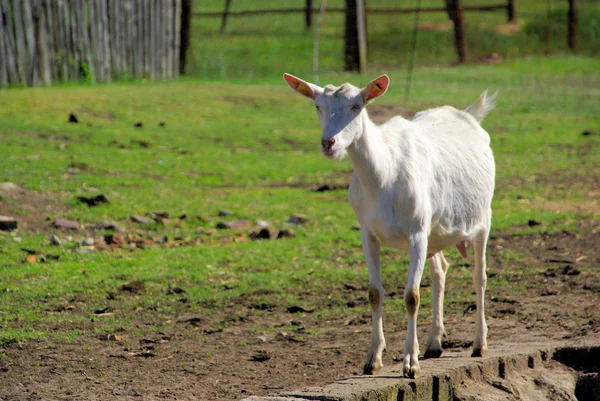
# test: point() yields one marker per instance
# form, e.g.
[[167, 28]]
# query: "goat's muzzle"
[[327, 144]]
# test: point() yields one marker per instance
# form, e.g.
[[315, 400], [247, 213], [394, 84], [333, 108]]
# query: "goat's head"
[[339, 110]]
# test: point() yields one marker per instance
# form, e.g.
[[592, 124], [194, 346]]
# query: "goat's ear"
[[302, 87], [375, 88]]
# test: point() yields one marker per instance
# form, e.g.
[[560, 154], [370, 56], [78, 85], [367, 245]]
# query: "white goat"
[[422, 185]]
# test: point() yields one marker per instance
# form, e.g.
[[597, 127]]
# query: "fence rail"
[[44, 41]]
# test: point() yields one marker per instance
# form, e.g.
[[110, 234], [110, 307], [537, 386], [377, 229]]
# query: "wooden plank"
[[43, 45], [75, 42], [20, 45], [153, 39], [63, 40], [11, 45], [106, 38], [177, 67], [70, 51], [50, 40], [3, 52], [168, 43], [85, 19], [31, 71], [139, 43], [241, 13]]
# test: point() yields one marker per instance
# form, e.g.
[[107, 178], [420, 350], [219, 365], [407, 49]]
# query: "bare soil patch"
[[33, 210], [199, 357]]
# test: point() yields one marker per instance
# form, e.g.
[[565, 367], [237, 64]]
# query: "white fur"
[[422, 185]]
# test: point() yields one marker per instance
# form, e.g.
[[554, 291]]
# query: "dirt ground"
[[193, 361]]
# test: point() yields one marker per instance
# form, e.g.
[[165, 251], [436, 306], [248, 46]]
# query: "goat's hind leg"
[[438, 267], [371, 248], [480, 280]]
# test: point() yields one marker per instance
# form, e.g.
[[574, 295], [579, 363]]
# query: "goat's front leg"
[[438, 267], [418, 254], [371, 249]]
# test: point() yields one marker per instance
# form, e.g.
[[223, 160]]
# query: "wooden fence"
[[44, 41]]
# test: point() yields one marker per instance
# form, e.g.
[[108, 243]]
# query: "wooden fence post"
[[308, 14], [572, 29], [459, 31], [351, 51], [186, 15], [510, 10], [225, 13]]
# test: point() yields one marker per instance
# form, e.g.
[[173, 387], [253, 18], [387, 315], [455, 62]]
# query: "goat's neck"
[[371, 156]]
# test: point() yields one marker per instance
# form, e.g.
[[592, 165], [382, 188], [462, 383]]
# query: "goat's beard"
[[339, 155]]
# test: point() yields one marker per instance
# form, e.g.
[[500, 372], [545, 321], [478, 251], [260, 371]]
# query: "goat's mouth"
[[333, 153]]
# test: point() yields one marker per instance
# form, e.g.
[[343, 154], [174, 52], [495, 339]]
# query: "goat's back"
[[459, 168]]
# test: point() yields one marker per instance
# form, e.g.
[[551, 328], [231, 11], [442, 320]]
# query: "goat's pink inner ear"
[[304, 89], [376, 88]]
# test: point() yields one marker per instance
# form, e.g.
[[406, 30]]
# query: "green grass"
[[256, 47], [253, 149]]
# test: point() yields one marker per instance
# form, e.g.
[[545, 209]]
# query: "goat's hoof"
[[433, 353], [372, 368], [412, 370], [479, 352]]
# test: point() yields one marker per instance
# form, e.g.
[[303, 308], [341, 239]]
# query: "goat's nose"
[[328, 143]]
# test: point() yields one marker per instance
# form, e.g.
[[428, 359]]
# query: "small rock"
[[31, 259], [88, 241], [17, 239], [67, 224], [73, 171], [203, 231], [285, 234], [8, 223], [160, 239], [139, 219], [282, 335], [158, 216], [114, 239], [264, 233], [86, 249], [235, 225], [134, 287], [55, 240], [298, 218], [225, 213], [93, 201], [296, 308], [73, 118], [109, 226], [262, 223], [569, 270], [355, 227], [260, 356], [142, 143]]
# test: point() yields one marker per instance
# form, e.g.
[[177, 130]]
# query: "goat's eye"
[[356, 107]]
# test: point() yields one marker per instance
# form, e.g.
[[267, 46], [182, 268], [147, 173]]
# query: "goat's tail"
[[482, 106]]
